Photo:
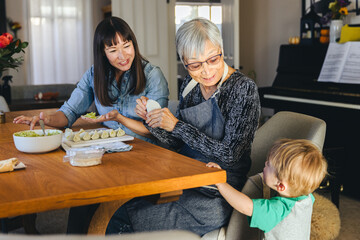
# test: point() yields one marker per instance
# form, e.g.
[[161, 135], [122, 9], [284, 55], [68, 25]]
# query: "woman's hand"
[[213, 165], [140, 109], [161, 118], [32, 121], [113, 115]]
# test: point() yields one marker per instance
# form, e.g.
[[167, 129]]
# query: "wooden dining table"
[[49, 183]]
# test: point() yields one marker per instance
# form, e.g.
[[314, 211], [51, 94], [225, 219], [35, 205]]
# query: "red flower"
[[4, 41], [9, 36], [9, 47]]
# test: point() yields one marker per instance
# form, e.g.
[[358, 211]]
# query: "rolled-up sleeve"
[[81, 98], [157, 87]]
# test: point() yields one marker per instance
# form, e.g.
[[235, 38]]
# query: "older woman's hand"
[[140, 109], [162, 118], [32, 121]]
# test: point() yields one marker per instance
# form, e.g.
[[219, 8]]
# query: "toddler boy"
[[294, 168]]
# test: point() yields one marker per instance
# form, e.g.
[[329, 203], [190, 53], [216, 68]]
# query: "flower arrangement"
[[339, 9], [8, 47], [336, 10], [14, 26]]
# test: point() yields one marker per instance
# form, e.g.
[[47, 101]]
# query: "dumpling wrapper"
[[94, 135], [85, 136], [81, 130], [152, 105], [8, 164], [104, 134], [76, 137], [120, 132], [112, 133]]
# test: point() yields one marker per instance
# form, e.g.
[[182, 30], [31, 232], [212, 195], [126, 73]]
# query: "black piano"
[[296, 89]]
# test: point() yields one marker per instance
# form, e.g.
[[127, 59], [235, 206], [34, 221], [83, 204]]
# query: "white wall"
[[264, 26]]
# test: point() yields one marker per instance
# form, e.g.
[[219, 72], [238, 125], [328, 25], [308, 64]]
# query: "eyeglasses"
[[210, 61]]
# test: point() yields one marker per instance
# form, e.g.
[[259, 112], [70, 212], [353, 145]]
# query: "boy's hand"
[[213, 165]]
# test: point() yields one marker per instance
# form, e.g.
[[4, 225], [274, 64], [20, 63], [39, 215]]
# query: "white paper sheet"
[[342, 63]]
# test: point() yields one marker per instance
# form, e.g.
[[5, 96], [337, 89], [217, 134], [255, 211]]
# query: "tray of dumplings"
[[84, 138]]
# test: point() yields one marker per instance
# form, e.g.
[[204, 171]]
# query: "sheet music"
[[351, 70], [342, 63]]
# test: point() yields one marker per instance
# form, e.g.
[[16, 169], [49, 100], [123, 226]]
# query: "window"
[[186, 11], [61, 40]]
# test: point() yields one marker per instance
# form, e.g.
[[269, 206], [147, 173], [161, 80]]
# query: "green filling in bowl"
[[34, 134]]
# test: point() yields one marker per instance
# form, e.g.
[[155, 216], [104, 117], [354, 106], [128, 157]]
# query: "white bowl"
[[38, 144]]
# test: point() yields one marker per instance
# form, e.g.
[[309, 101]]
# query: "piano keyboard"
[[313, 101]]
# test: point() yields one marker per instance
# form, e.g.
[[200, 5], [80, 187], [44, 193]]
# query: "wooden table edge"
[[110, 194]]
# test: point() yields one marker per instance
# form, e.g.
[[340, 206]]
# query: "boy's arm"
[[236, 199]]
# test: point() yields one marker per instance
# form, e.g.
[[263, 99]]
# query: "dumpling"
[[76, 137], [70, 136], [112, 132], [120, 132], [104, 134], [94, 135], [85, 136], [68, 133]]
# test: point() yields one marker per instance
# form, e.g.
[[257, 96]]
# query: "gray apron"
[[205, 116]]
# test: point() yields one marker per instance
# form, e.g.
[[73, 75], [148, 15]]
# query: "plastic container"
[[84, 157]]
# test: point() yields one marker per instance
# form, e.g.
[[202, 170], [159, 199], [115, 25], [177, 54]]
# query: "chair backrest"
[[285, 125], [3, 104]]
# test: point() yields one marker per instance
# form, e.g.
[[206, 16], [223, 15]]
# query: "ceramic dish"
[[37, 144]]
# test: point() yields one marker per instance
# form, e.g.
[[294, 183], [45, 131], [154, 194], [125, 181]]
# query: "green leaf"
[[24, 44], [6, 52]]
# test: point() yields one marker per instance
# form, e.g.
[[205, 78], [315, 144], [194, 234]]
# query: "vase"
[[335, 30]]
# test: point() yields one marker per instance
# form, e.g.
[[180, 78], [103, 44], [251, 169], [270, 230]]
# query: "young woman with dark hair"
[[119, 76]]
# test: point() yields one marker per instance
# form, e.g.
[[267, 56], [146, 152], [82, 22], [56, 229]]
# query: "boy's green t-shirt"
[[283, 218]]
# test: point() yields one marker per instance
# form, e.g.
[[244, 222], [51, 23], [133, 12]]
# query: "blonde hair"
[[299, 163]]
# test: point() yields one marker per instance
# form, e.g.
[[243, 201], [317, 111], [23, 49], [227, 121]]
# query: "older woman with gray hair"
[[216, 120]]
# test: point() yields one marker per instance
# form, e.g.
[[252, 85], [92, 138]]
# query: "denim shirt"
[[83, 96]]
